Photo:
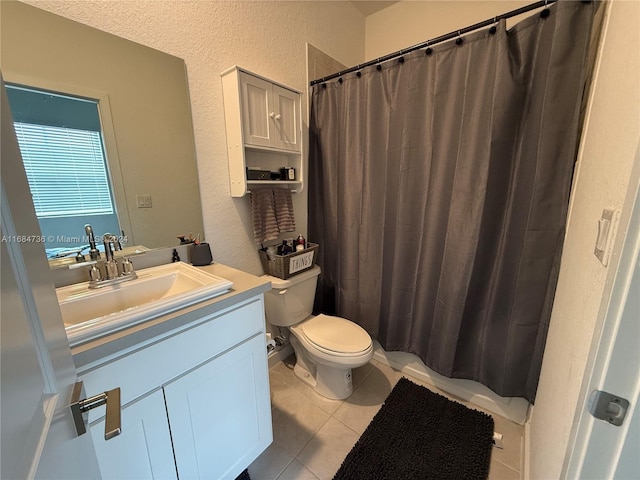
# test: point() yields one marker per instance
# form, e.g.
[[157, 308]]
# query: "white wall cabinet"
[[195, 403], [264, 129], [270, 114]]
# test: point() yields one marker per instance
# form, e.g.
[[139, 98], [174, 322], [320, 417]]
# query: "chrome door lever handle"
[[110, 398]]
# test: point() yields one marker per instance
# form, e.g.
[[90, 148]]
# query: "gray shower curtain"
[[438, 192]]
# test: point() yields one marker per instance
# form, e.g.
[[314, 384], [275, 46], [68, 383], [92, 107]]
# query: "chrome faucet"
[[94, 253], [109, 240], [113, 276]]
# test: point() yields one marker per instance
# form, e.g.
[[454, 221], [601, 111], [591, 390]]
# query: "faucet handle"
[[94, 273], [127, 266]]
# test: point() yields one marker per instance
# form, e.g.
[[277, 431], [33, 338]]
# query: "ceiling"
[[369, 7]]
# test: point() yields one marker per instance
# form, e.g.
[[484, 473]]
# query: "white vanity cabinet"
[[264, 129], [215, 424], [143, 449], [195, 400]]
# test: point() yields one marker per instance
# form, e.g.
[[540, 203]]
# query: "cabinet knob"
[[272, 115], [278, 116]]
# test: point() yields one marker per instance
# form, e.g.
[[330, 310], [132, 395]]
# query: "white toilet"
[[326, 347]]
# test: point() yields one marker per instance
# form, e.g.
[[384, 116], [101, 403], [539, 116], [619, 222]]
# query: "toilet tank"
[[291, 301]]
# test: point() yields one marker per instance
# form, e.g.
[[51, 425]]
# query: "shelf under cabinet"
[[295, 185]]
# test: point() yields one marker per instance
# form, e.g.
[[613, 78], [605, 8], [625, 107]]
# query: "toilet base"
[[331, 382]]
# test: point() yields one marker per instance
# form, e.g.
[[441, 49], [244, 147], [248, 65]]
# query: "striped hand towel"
[[265, 226], [284, 209]]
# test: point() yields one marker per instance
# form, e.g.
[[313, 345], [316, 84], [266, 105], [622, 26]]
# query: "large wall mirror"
[[66, 79]]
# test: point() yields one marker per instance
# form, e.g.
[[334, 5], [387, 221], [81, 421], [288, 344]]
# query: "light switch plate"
[[143, 201], [607, 226]]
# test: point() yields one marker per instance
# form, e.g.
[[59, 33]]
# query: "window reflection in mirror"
[[62, 147]]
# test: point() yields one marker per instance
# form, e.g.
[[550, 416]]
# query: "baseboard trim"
[[511, 408], [526, 452], [277, 356]]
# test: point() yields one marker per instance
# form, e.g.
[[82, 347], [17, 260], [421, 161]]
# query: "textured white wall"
[[408, 23], [265, 37]]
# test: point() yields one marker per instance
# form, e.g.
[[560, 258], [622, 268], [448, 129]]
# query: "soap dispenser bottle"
[[301, 243]]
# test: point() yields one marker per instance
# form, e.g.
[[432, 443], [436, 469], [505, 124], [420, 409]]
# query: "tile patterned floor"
[[313, 435]]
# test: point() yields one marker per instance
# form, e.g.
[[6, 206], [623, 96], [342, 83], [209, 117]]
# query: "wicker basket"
[[285, 266]]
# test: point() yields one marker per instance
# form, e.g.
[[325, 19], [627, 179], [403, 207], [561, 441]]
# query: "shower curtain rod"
[[442, 38]]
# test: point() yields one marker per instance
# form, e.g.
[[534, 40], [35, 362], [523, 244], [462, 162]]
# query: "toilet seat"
[[334, 336]]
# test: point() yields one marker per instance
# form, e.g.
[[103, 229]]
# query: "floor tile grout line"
[[315, 433], [283, 469], [350, 428], [332, 416], [308, 468]]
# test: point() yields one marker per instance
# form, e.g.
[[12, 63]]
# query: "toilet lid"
[[336, 334]]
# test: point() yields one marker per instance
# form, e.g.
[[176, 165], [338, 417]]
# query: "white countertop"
[[245, 286]]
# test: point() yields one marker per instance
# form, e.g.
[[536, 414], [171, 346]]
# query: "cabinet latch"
[[608, 407]]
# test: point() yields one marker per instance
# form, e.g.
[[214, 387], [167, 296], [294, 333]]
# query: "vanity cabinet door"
[[143, 449], [220, 413]]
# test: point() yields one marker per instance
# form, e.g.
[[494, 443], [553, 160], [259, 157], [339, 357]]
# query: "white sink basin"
[[157, 290]]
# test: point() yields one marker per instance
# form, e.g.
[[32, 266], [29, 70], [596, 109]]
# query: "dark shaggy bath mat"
[[418, 434]]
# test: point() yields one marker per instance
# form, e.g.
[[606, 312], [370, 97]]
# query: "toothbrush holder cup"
[[201, 254]]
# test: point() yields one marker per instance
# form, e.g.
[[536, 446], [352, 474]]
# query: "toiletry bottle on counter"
[[301, 243]]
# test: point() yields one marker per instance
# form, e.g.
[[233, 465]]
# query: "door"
[[38, 437], [220, 413], [286, 107], [602, 450], [257, 112]]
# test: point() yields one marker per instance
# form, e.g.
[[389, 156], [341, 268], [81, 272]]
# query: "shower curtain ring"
[[459, 39], [493, 28], [545, 13]]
